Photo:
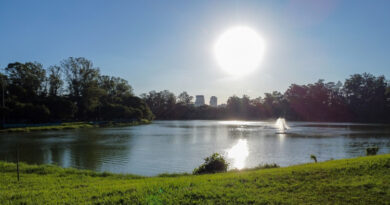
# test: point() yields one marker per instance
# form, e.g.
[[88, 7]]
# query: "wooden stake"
[[17, 162]]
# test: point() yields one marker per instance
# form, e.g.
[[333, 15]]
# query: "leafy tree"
[[139, 104], [388, 102], [234, 106], [91, 96], [317, 102], [274, 105], [4, 87], [28, 112], [26, 80], [4, 111], [87, 96], [61, 108], [55, 80], [184, 98], [115, 86], [366, 97], [161, 103], [82, 80]]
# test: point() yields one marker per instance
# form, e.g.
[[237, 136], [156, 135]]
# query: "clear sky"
[[158, 45]]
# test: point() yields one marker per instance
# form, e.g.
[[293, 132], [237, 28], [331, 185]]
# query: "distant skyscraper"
[[213, 101], [199, 101]]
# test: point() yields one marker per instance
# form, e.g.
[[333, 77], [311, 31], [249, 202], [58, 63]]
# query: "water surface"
[[180, 146]]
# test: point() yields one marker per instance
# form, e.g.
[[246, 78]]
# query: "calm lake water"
[[180, 146]]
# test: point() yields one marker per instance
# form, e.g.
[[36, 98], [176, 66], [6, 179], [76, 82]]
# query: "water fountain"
[[281, 125]]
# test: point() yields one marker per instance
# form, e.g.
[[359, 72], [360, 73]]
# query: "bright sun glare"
[[239, 152], [239, 50]]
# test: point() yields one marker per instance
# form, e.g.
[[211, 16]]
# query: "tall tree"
[[366, 96], [26, 80], [4, 111], [82, 80], [184, 98], [161, 103], [55, 80]]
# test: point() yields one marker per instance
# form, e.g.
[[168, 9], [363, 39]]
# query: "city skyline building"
[[213, 101], [199, 100]]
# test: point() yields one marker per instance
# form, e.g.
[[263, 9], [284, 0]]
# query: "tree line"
[[361, 98], [74, 90]]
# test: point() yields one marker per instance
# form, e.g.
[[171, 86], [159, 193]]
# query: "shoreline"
[[288, 120], [75, 125]]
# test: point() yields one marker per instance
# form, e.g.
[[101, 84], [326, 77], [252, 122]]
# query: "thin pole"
[[2, 86], [17, 162]]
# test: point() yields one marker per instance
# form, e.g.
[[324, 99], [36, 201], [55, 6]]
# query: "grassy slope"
[[364, 180]]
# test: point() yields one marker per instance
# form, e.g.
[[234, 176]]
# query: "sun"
[[239, 50]]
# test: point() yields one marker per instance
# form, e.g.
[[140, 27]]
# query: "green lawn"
[[364, 180]]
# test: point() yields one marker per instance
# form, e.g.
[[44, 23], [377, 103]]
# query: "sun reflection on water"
[[239, 152]]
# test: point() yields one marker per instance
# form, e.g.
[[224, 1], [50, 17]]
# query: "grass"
[[364, 180], [75, 125]]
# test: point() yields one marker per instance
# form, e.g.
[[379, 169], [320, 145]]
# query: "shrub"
[[260, 166], [213, 164], [267, 166], [313, 157], [372, 150], [173, 174]]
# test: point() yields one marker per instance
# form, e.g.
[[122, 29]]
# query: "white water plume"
[[281, 124]]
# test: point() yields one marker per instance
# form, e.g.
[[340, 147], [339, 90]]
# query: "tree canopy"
[[361, 98], [75, 90]]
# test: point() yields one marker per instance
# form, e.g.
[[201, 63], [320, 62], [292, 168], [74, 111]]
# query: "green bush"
[[313, 157], [258, 167], [372, 151], [213, 164], [267, 166], [173, 174]]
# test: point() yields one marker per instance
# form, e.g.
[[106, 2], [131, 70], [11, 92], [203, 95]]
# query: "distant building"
[[213, 101], [199, 101]]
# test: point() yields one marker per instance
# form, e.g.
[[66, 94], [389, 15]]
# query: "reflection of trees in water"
[[354, 147], [93, 147], [29, 151], [86, 149], [57, 155]]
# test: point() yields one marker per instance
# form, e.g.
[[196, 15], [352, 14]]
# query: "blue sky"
[[158, 45]]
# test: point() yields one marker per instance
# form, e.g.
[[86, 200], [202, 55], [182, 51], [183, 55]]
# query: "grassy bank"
[[75, 125], [364, 180]]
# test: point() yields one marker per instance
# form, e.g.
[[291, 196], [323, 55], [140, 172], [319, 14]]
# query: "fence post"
[[17, 162]]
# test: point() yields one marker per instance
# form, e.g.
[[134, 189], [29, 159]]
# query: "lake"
[[181, 146]]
